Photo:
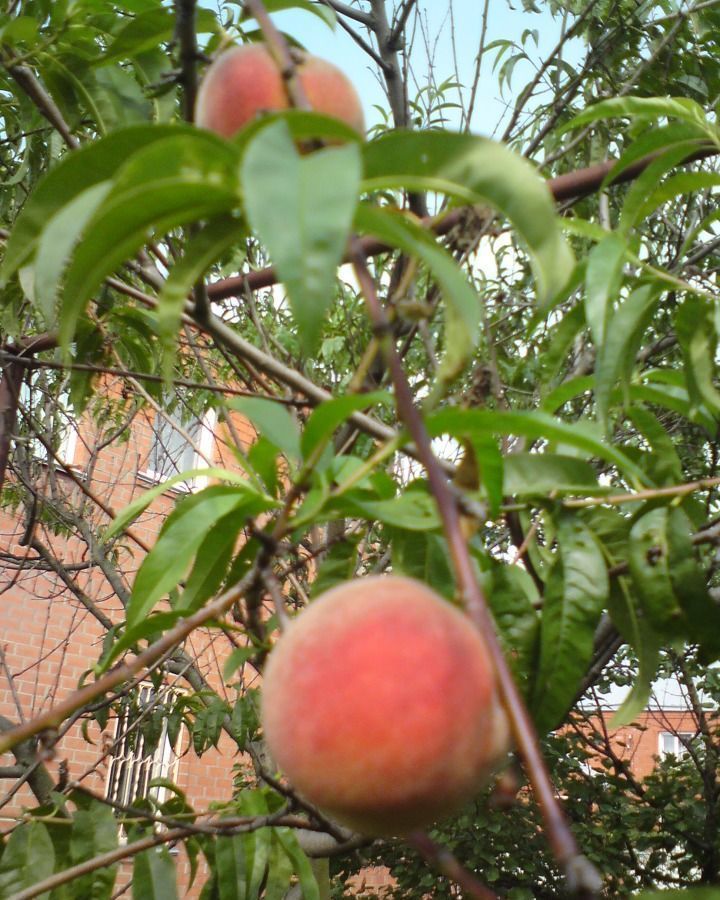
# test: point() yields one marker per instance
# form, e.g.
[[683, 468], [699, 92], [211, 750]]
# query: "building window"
[[178, 446], [143, 750], [674, 744], [47, 418]]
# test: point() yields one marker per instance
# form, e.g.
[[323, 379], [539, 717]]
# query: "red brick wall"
[[50, 639]]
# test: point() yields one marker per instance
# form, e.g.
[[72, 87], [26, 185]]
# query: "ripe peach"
[[379, 704], [245, 81]]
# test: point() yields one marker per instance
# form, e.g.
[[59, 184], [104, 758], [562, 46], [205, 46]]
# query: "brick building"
[[665, 727], [52, 636]]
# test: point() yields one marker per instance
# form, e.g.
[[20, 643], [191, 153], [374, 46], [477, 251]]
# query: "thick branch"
[[28, 81], [38, 778], [571, 186]]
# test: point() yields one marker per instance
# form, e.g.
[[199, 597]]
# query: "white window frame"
[[675, 738], [163, 762], [69, 437], [204, 444]]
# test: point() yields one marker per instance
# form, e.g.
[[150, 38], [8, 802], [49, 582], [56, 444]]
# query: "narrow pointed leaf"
[[154, 876], [576, 592], [74, 174], [273, 421], [172, 182], [180, 538], [602, 282], [283, 194], [478, 170]]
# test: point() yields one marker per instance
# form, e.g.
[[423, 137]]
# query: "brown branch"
[[571, 186], [444, 861], [344, 10], [10, 381], [30, 363], [28, 81], [101, 862], [281, 54], [185, 31], [582, 879]]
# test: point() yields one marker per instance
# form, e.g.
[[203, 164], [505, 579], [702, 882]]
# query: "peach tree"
[[488, 365]]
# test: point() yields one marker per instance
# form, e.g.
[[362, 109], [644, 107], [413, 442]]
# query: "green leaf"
[[273, 421], [338, 565], [675, 397], [477, 170], [211, 563], [280, 871], [513, 598], [143, 32], [568, 390], [231, 867], [146, 629], [490, 465], [533, 474], [689, 582], [649, 564], [635, 207], [154, 875], [301, 865], [326, 13], [603, 277], [641, 108], [94, 831], [28, 857], [182, 534], [73, 175], [118, 100], [555, 356], [683, 183], [325, 418], [237, 658], [646, 644], [413, 510], [575, 594], [128, 515], [696, 335], [283, 193], [257, 843], [580, 434], [423, 556], [56, 243], [616, 355], [463, 305], [659, 141], [668, 468], [201, 251], [173, 181]]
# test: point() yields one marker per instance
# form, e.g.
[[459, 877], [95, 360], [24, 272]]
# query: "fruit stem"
[[281, 54]]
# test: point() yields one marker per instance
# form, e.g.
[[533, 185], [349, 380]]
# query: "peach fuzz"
[[379, 704], [245, 81]]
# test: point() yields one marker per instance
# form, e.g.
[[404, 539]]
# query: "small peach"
[[245, 82]]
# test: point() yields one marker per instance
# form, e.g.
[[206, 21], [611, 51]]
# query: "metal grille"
[[135, 764]]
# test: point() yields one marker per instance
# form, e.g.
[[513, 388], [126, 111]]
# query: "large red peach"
[[245, 82], [380, 705]]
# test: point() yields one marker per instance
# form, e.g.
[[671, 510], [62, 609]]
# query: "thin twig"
[[444, 861]]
